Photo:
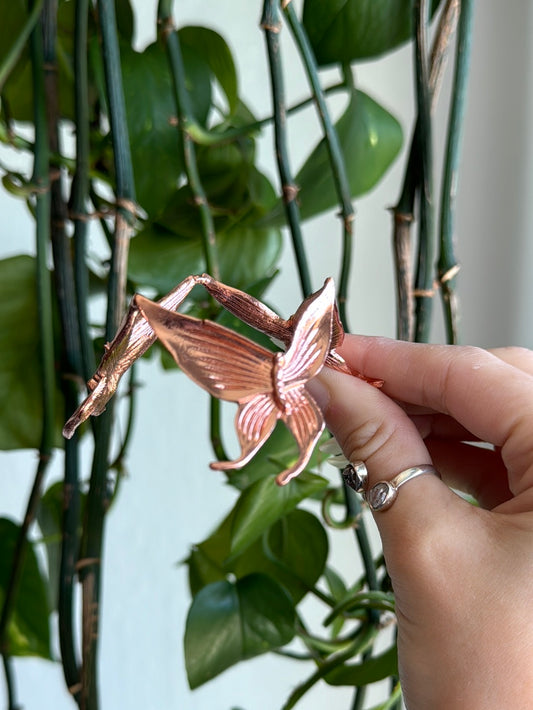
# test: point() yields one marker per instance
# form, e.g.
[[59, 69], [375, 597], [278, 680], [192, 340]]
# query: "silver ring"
[[383, 494], [355, 475]]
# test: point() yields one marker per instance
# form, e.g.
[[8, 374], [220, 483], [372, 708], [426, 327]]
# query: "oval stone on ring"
[[383, 494]]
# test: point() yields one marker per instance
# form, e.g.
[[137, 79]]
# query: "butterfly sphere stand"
[[265, 385]]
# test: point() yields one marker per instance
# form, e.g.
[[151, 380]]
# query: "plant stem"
[[403, 212], [211, 137], [354, 510], [65, 292], [424, 285], [80, 184], [10, 684], [46, 345], [271, 24], [447, 263], [336, 158], [125, 185], [63, 271], [90, 565], [360, 692], [185, 118], [132, 386], [364, 638], [67, 570], [215, 430], [98, 497]]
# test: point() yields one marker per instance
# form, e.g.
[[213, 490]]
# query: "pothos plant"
[[70, 66]]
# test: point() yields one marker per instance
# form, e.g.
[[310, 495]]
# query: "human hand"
[[462, 574]]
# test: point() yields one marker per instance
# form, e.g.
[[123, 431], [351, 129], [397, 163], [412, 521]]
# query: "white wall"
[[170, 498]]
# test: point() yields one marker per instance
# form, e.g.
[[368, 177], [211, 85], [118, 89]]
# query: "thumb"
[[371, 427]]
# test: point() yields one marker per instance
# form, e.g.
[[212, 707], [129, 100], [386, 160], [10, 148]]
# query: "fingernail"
[[319, 392]]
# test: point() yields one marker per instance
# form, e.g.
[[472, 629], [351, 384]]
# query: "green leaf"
[[21, 413], [18, 89], [162, 260], [214, 50], [230, 622], [264, 502], [125, 19], [49, 517], [276, 454], [293, 552], [369, 671], [338, 590], [28, 632], [11, 25], [336, 585], [247, 255], [237, 193], [341, 31], [371, 139], [13, 37], [154, 138]]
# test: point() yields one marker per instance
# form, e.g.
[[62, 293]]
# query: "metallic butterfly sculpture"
[[266, 386]]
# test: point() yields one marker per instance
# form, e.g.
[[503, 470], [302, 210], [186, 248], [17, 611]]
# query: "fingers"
[[370, 427], [439, 425], [485, 394], [474, 470], [521, 358]]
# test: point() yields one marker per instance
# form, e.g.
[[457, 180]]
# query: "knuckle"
[[368, 439]]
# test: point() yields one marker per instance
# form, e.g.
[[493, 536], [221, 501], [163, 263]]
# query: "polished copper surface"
[[266, 386]]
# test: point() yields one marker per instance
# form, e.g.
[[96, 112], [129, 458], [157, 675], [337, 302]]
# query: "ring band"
[[383, 494]]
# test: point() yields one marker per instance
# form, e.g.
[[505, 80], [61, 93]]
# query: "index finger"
[[486, 395]]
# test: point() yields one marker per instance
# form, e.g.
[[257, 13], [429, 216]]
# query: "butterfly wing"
[[254, 422], [304, 420], [221, 361], [311, 339]]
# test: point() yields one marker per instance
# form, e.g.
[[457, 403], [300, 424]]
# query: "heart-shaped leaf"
[[293, 552], [162, 260], [341, 31], [371, 139], [214, 50], [17, 91], [151, 113], [28, 632], [230, 622], [50, 519], [264, 502], [21, 412]]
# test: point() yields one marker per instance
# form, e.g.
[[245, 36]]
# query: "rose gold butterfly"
[[266, 386]]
